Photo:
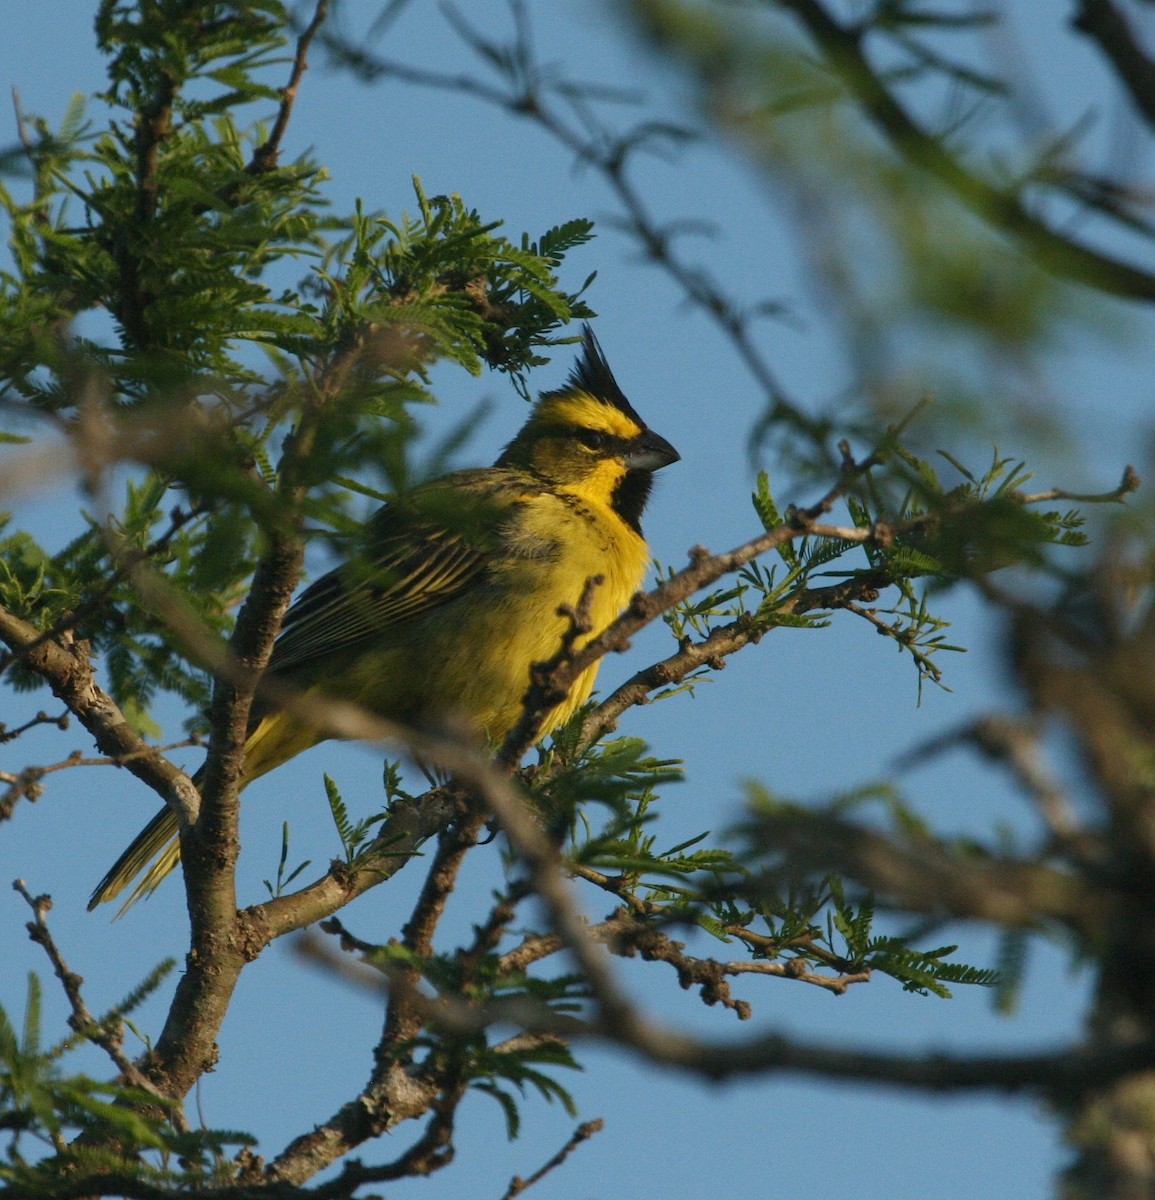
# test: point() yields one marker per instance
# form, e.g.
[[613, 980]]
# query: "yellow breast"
[[565, 541]]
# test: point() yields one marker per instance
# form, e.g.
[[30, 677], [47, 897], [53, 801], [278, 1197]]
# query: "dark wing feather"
[[411, 566]]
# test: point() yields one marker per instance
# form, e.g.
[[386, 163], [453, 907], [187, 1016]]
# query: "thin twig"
[[27, 782], [1128, 484], [265, 156], [582, 1133], [41, 718], [1064, 1072], [1106, 25], [610, 154], [842, 49], [1014, 743], [109, 1038]]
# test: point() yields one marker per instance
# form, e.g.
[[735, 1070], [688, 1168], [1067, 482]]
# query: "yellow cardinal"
[[457, 590]]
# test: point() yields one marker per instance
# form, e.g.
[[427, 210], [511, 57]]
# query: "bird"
[[458, 587]]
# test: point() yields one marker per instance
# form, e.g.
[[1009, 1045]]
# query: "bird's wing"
[[416, 558]]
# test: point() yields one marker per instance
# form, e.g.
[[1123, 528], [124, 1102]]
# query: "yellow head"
[[586, 439]]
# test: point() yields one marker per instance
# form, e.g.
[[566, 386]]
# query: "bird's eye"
[[593, 439]]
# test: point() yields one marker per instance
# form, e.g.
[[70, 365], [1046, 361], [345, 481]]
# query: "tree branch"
[[582, 1133], [1105, 25], [65, 666], [841, 48], [527, 98], [265, 156], [109, 1039], [920, 875]]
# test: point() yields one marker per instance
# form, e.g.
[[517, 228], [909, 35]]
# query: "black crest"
[[592, 374]]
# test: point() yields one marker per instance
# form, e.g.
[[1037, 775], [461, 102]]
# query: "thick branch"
[[64, 665], [186, 1047], [408, 826], [1063, 1073]]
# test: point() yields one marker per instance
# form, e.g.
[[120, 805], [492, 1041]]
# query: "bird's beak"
[[650, 452]]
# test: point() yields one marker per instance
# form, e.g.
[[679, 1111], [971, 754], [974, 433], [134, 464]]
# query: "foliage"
[[46, 1105], [185, 399], [234, 368]]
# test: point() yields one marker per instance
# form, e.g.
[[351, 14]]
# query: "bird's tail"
[[276, 739], [159, 840]]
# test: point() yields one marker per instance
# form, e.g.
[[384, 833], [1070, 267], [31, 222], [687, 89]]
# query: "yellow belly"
[[470, 659]]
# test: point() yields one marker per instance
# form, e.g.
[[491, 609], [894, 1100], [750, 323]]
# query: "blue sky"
[[806, 712]]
